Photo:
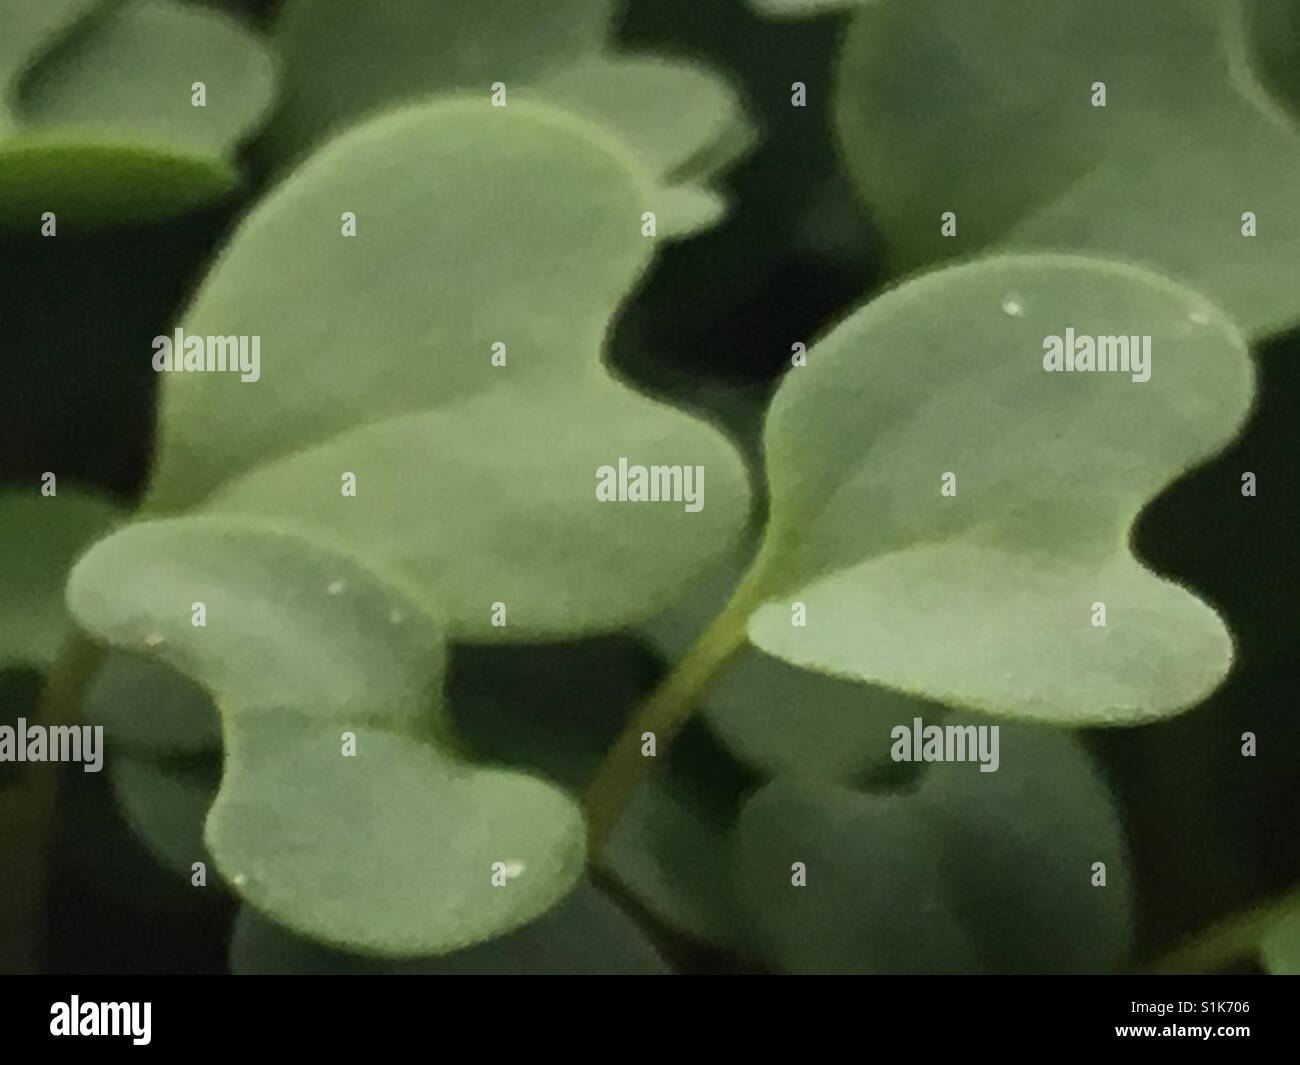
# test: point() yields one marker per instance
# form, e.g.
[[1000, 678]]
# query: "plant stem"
[[27, 814], [1232, 939], [669, 707]]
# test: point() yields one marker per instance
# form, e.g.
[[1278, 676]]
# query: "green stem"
[[1230, 940], [27, 814], [669, 707]]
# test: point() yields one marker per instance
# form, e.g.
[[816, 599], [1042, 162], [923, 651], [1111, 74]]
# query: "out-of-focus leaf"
[[40, 536], [165, 805], [989, 111], [105, 128], [785, 721], [149, 708], [1280, 948], [345, 62], [973, 872]]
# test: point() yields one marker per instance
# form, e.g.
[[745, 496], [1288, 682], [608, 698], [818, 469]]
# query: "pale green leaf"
[[391, 851], [456, 501], [285, 623], [538, 259], [510, 514], [973, 872], [682, 120], [986, 598], [40, 537]]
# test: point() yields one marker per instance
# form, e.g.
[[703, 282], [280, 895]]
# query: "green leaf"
[[585, 934], [987, 598], [986, 110], [340, 771], [345, 63], [39, 538], [389, 852], [672, 852], [30, 30], [1174, 215], [342, 60], [105, 128], [149, 708], [682, 120], [538, 260], [285, 623], [165, 806], [791, 722], [1274, 30], [973, 872], [1280, 947], [488, 498]]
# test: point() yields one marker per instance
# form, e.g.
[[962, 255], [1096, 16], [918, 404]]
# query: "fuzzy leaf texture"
[[986, 598]]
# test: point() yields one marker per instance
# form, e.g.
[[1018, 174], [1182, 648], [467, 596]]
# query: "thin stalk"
[[669, 707], [1225, 942], [27, 815]]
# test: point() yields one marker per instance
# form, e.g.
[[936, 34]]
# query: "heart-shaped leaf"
[[392, 851], [953, 518], [107, 126], [343, 63], [281, 623], [454, 499], [1108, 128], [344, 811], [973, 872]]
